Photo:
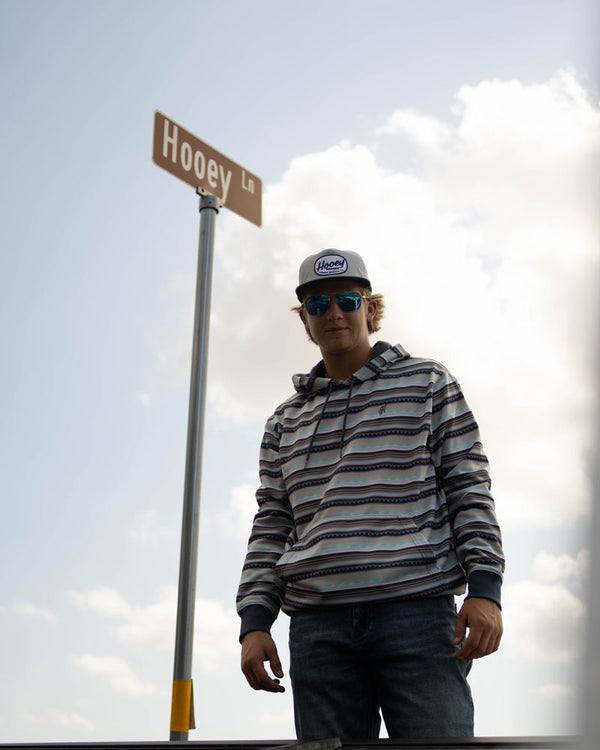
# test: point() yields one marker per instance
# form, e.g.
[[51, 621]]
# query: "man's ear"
[[304, 319], [371, 309]]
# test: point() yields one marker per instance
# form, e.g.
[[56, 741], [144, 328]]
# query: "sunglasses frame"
[[350, 295]]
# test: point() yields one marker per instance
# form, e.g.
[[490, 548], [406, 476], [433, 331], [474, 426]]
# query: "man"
[[374, 512]]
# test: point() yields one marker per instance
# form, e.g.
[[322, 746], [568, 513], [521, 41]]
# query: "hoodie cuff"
[[484, 584], [255, 617]]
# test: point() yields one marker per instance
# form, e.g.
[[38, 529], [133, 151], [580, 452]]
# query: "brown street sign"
[[194, 162]]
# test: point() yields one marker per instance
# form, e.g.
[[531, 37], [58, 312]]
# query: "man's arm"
[[257, 648], [261, 591], [463, 475]]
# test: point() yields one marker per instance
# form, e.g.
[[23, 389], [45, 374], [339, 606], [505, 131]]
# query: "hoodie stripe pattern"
[[372, 488]]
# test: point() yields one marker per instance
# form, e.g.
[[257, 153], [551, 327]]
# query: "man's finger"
[[276, 667], [259, 679], [460, 630], [469, 647]]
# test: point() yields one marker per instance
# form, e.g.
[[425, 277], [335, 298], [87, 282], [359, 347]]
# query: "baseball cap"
[[331, 264]]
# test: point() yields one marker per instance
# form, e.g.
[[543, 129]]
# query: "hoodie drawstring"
[[346, 410], [322, 414]]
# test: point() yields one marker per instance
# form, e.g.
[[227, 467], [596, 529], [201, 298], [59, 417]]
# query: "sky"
[[455, 146]]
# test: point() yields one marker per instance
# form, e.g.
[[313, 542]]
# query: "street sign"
[[220, 182], [198, 164]]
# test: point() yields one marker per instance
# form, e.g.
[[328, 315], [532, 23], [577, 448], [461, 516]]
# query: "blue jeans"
[[348, 663]]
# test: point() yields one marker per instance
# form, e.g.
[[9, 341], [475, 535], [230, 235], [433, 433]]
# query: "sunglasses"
[[318, 304]]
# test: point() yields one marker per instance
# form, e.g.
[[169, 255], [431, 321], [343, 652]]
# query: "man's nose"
[[334, 309]]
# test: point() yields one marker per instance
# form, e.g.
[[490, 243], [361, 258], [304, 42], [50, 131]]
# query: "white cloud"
[[151, 528], [546, 124], [551, 568], [65, 719], [556, 692], [152, 625], [283, 718], [114, 670], [543, 621], [236, 521], [487, 258], [104, 600], [427, 132], [74, 721], [148, 625], [144, 398], [215, 634], [28, 609]]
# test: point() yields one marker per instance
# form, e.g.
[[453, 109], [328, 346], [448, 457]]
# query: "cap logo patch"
[[331, 265]]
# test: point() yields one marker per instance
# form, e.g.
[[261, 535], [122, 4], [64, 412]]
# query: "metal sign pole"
[[182, 707]]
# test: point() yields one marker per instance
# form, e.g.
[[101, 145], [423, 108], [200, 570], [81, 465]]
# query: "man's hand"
[[257, 648], [484, 620]]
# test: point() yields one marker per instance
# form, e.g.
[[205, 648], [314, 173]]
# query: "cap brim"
[[303, 288]]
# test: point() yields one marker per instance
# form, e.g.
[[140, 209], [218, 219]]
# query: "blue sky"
[[453, 145]]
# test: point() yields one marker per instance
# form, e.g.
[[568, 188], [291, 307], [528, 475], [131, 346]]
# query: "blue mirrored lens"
[[348, 301], [317, 304]]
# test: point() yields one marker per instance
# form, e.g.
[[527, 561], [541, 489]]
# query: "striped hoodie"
[[372, 488]]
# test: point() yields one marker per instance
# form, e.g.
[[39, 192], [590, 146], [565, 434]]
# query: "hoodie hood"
[[382, 356]]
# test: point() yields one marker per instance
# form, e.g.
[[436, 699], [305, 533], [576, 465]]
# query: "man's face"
[[339, 332]]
